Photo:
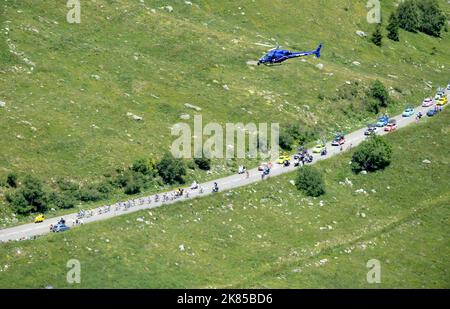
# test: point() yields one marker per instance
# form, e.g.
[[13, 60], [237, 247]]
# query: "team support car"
[[371, 130], [427, 102], [382, 121], [338, 140], [60, 227], [442, 101], [431, 112], [319, 148], [391, 126], [39, 219], [283, 158], [408, 112]]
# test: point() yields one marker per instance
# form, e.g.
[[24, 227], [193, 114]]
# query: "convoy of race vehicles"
[[303, 156]]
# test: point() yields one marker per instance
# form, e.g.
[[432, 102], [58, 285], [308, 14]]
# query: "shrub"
[[309, 180], [203, 163], [62, 200], [89, 194], [132, 187], [378, 96], [142, 166], [11, 180], [373, 154], [285, 140], [171, 170]]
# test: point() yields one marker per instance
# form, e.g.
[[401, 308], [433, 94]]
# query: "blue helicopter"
[[276, 55]]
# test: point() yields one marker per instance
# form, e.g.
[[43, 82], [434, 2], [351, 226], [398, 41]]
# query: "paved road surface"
[[355, 138]]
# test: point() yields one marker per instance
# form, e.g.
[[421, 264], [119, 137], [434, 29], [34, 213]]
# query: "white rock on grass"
[[2, 104], [426, 161], [357, 63], [181, 247], [188, 2], [226, 87], [185, 116], [168, 8], [361, 33], [319, 66], [192, 107], [134, 117]]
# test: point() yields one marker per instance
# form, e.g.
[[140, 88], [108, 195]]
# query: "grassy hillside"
[[68, 87], [268, 234]]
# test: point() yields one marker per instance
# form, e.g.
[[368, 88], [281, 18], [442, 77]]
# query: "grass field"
[[268, 234]]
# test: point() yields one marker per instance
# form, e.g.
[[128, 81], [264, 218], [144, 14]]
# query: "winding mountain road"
[[353, 139]]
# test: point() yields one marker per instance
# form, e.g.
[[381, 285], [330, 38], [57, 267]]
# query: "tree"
[[377, 36], [432, 19], [11, 180], [309, 180], [409, 15], [171, 170], [393, 27], [141, 166], [373, 154]]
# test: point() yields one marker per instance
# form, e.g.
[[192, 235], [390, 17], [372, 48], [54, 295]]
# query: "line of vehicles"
[[302, 155], [390, 125]]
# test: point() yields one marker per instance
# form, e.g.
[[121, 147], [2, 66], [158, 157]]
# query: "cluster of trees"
[[372, 155], [414, 16], [32, 195]]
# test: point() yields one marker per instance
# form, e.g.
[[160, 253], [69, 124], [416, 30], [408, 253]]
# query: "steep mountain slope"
[[68, 87]]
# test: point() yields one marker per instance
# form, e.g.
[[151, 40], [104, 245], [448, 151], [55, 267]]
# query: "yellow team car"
[[442, 101], [39, 219], [319, 148], [283, 158]]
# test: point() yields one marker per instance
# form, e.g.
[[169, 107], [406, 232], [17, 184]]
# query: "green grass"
[[268, 234]]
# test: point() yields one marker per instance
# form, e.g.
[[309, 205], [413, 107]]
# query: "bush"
[[11, 180], [171, 170], [142, 166], [132, 187], [89, 194], [62, 200], [309, 180], [373, 154], [203, 163]]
